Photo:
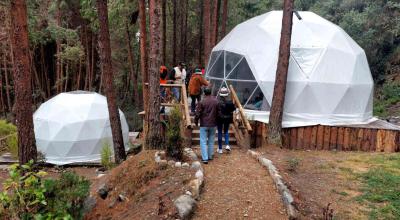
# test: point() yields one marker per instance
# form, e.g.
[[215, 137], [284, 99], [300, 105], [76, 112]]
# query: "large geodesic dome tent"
[[73, 127], [329, 80]]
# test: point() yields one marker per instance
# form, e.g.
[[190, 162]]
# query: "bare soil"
[[238, 187], [150, 191], [320, 178]]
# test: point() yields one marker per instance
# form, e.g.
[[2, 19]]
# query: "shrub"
[[27, 195], [174, 139], [106, 156], [292, 164], [10, 143]]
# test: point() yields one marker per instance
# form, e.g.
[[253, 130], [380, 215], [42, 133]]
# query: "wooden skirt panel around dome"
[[378, 136]]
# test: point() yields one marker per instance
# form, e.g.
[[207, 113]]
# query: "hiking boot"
[[219, 151], [228, 148]]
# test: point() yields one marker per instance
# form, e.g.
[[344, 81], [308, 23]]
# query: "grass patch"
[[387, 96]]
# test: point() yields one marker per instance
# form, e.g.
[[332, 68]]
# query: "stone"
[[163, 164], [193, 156], [185, 165], [112, 203], [162, 155], [157, 159], [103, 191], [178, 164], [122, 197], [195, 187], [171, 163], [185, 205], [196, 165], [188, 193], [89, 204], [101, 175], [199, 175]]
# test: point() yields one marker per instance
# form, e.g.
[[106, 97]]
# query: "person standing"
[[178, 75], [195, 84], [163, 80], [225, 118], [206, 112]]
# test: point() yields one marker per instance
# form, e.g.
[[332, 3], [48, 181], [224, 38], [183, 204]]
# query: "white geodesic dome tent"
[[73, 127], [329, 80]]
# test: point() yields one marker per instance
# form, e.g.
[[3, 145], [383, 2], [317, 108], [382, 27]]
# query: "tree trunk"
[[164, 32], [201, 53], [174, 30], [214, 23], [278, 99], [182, 45], [22, 82], [206, 32], [143, 55], [135, 92], [105, 58], [7, 82], [224, 18], [154, 139], [58, 42]]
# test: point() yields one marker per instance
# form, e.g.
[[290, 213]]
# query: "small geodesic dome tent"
[[329, 80], [73, 127]]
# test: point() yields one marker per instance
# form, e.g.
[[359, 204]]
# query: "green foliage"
[[381, 192], [9, 132], [27, 195], [388, 95], [174, 139], [106, 155], [293, 164]]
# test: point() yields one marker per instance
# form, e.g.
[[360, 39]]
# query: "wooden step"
[[196, 133], [232, 141]]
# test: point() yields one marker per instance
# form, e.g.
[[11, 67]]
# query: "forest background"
[[64, 54]]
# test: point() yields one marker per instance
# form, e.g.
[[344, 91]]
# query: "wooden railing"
[[241, 125]]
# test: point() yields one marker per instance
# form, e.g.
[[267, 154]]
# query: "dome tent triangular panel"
[[329, 80], [75, 124]]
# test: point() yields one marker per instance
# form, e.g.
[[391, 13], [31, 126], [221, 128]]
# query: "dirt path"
[[237, 187]]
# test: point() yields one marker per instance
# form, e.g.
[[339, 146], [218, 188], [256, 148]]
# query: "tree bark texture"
[[106, 67], [201, 34], [278, 99], [22, 82], [206, 32], [143, 54], [135, 92], [154, 139], [174, 31], [164, 32], [224, 18], [214, 22]]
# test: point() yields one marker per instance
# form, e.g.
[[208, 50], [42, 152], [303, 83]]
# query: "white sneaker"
[[219, 151], [227, 148]]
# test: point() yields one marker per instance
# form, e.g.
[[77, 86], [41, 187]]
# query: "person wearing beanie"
[[206, 113], [225, 118], [195, 84]]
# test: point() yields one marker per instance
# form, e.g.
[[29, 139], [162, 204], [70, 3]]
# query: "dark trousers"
[[193, 105], [223, 129]]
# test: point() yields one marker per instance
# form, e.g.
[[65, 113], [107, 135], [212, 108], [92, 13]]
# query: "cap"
[[223, 92]]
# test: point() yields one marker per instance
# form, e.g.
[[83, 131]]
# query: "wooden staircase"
[[196, 135]]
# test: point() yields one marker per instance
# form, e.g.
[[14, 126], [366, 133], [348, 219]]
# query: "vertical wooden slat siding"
[[346, 139], [353, 139], [374, 134], [340, 137], [398, 142], [286, 138], [360, 135], [380, 138], [320, 137], [293, 138], [300, 138], [314, 137], [366, 143], [390, 141], [333, 138], [307, 138], [327, 135]]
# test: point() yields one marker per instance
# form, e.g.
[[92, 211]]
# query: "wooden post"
[[278, 99]]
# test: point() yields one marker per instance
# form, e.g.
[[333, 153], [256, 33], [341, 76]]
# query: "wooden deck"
[[378, 136]]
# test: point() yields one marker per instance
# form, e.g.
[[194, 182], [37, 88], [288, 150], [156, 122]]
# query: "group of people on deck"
[[213, 113]]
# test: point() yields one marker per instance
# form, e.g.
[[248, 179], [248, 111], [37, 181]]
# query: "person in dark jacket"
[[206, 113], [225, 118]]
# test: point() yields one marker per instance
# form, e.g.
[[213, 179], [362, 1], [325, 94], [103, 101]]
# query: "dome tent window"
[[329, 80]]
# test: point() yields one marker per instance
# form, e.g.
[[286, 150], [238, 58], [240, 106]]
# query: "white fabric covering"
[[73, 127], [329, 80]]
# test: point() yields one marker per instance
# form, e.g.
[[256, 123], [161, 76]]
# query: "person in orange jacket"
[[195, 84]]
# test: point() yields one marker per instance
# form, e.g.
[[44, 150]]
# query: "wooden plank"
[[333, 138], [372, 141], [307, 138], [397, 141], [353, 139], [390, 141], [327, 135], [346, 139], [360, 135], [380, 140], [320, 137], [286, 138], [293, 138], [186, 106], [340, 137], [300, 138], [314, 131], [366, 143], [239, 106]]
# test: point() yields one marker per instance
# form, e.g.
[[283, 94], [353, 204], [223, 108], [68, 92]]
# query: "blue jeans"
[[207, 135], [223, 126], [176, 93]]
